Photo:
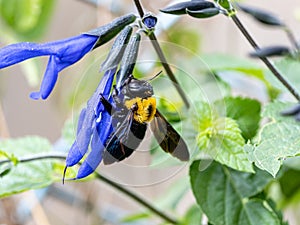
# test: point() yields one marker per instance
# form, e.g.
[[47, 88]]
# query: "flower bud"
[[262, 16], [117, 50], [180, 8], [270, 51], [149, 20], [129, 59], [108, 31], [204, 13]]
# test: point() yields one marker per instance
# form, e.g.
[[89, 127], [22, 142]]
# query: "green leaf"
[[220, 62], [69, 129], [221, 138], [29, 175], [272, 111], [226, 195], [289, 185], [290, 68], [293, 163], [276, 142], [136, 217], [246, 112], [26, 17], [193, 216]]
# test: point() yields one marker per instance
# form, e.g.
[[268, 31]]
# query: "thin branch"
[[267, 62], [37, 157], [292, 38], [167, 68], [139, 7], [162, 58], [117, 186]]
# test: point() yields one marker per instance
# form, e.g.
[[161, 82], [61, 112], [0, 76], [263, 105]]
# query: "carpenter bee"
[[134, 108]]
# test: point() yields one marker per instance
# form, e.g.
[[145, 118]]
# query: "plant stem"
[[139, 7], [115, 185], [167, 68], [137, 199], [37, 157], [292, 38], [162, 57], [267, 62]]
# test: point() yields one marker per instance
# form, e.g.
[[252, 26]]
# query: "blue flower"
[[63, 53], [94, 127]]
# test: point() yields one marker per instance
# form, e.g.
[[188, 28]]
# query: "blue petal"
[[74, 155], [49, 80], [93, 159], [99, 107], [80, 120], [80, 44], [63, 53], [73, 50], [19, 52], [100, 135], [84, 132]]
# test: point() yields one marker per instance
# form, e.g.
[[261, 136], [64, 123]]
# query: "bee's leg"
[[127, 81], [116, 97], [106, 104], [115, 92]]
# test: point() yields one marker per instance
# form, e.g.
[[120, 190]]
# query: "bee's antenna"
[[155, 76]]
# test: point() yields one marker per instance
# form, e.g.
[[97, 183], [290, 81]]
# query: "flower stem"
[[37, 157], [162, 57], [115, 185], [292, 38], [139, 7], [267, 62]]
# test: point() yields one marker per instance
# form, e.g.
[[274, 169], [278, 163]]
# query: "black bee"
[[134, 108]]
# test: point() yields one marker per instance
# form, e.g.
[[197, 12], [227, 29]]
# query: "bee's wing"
[[115, 150], [168, 138]]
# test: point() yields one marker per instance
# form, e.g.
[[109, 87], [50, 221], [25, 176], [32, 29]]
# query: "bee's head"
[[137, 88]]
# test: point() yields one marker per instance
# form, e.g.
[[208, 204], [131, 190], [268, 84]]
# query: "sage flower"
[[94, 127], [62, 53]]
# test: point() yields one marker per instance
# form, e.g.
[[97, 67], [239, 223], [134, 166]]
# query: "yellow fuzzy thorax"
[[146, 108]]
